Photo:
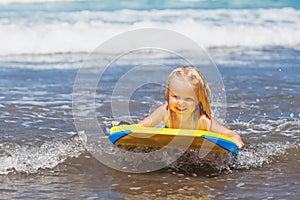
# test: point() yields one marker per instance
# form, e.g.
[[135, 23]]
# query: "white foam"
[[27, 159], [47, 32], [258, 155]]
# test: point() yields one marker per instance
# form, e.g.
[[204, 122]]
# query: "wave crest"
[[83, 31]]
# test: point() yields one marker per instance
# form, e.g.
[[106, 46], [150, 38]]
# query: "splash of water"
[[258, 155], [30, 159]]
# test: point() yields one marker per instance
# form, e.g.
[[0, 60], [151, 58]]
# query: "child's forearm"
[[219, 128], [154, 118]]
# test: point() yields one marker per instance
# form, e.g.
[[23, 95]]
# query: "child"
[[188, 105]]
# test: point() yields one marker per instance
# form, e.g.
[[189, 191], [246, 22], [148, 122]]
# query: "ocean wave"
[[83, 31]]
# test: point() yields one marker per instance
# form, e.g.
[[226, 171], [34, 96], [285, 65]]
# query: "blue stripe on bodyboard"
[[225, 144], [118, 135]]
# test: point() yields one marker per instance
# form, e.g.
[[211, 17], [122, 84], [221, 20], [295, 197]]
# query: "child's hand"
[[238, 140]]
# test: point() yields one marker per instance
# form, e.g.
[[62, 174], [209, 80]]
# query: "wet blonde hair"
[[195, 78]]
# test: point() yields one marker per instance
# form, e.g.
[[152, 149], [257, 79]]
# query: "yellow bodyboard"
[[185, 139]]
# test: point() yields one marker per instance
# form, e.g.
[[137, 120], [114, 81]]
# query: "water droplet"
[[240, 184], [135, 188]]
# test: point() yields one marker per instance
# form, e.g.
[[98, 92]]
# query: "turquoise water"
[[111, 5]]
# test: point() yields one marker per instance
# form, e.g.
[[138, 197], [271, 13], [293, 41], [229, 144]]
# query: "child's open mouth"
[[181, 109]]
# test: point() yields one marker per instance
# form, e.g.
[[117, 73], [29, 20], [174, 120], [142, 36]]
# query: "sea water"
[[255, 45]]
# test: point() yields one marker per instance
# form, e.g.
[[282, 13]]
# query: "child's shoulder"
[[204, 123], [163, 108]]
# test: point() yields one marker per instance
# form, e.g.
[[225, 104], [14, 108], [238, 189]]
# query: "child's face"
[[182, 97]]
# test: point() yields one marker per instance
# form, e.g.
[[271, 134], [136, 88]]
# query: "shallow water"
[[41, 154], [85, 177]]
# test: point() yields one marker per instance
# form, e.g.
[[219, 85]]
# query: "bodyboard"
[[184, 139]]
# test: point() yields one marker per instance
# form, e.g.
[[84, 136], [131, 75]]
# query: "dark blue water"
[[42, 156]]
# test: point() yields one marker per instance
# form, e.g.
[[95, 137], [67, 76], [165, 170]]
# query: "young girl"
[[188, 105]]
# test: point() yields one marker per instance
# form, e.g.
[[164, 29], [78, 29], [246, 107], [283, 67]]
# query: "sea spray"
[[30, 159], [261, 154]]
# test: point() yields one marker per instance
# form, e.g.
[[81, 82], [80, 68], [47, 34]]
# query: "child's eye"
[[189, 99]]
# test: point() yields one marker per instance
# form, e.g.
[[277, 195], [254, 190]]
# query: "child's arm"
[[219, 128], [155, 117]]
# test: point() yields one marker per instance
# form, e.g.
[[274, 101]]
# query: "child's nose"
[[180, 101]]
